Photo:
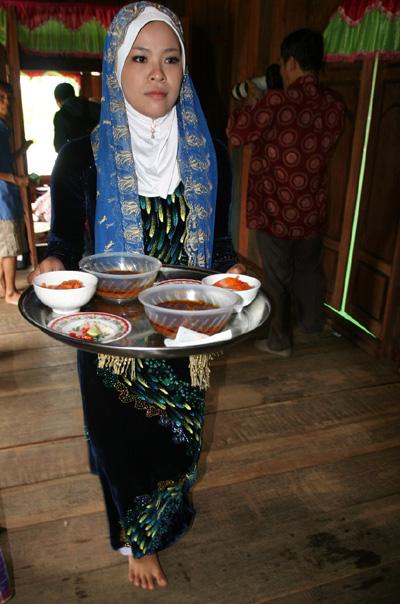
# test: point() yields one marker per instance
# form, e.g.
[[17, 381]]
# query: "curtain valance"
[[361, 28], [66, 28]]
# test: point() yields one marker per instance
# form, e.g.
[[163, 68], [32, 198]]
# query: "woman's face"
[[152, 74]]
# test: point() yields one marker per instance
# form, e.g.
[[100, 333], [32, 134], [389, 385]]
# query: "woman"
[[154, 167]]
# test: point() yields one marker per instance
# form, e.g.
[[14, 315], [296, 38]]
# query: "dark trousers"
[[294, 283]]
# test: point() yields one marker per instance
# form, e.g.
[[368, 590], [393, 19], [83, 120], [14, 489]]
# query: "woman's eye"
[[173, 60], [138, 58]]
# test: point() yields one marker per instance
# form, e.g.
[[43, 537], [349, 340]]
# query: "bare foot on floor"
[[146, 572], [12, 298]]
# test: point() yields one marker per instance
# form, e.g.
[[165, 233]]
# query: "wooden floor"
[[299, 497]]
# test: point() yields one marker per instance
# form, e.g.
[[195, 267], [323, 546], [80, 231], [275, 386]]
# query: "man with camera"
[[292, 132]]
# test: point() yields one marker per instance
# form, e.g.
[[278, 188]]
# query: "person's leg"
[[308, 285], [278, 268], [2, 284], [11, 294]]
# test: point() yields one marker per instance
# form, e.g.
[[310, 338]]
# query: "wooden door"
[[343, 78], [373, 290]]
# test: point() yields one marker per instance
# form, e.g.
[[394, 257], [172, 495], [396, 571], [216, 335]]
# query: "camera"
[[271, 80]]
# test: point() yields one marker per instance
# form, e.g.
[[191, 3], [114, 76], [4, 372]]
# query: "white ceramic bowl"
[[64, 301], [168, 320], [247, 295]]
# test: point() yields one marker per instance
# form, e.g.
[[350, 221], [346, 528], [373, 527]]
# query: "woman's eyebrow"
[[144, 49]]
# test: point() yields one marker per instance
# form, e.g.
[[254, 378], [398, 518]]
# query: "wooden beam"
[[18, 125]]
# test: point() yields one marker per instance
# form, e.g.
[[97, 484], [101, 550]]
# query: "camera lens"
[[240, 91]]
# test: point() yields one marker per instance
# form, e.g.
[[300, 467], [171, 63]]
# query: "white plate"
[[112, 327]]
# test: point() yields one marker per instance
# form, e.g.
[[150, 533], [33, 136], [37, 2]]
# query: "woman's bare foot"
[[12, 298], [146, 572]]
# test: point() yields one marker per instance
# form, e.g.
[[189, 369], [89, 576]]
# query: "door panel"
[[377, 240], [344, 78]]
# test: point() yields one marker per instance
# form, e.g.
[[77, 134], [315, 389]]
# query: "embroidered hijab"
[[118, 224]]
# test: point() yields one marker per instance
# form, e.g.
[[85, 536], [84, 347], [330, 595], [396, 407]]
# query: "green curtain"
[[3, 26], [375, 33], [52, 37]]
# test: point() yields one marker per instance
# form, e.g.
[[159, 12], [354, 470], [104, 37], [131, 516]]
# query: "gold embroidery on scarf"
[[120, 132], [125, 183], [195, 141], [132, 232], [124, 159], [197, 164], [189, 117], [129, 208], [117, 106]]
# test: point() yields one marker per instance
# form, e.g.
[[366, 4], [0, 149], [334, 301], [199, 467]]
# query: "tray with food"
[[131, 305]]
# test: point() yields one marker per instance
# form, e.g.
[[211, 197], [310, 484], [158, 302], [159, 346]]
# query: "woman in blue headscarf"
[[151, 157]]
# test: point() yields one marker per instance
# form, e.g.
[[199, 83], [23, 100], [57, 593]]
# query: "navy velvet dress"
[[144, 433]]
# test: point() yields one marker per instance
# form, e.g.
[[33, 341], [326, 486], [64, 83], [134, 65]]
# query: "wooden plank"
[[294, 552], [285, 381], [45, 501], [41, 416], [251, 460], [28, 463], [50, 500], [296, 416], [36, 380], [380, 585], [50, 357], [26, 340], [39, 462]]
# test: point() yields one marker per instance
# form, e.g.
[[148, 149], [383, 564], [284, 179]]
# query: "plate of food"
[[96, 327]]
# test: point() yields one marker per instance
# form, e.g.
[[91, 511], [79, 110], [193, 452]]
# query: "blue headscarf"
[[118, 224]]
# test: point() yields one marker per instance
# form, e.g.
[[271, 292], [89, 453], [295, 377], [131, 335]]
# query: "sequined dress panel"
[[144, 434]]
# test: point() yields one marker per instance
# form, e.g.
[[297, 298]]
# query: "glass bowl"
[[204, 320], [121, 275], [64, 301], [247, 295]]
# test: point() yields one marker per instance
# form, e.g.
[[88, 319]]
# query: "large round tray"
[[143, 341]]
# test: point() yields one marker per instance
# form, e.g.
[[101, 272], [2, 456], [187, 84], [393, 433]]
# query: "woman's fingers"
[[46, 266]]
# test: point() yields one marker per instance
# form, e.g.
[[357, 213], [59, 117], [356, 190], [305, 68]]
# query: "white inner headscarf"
[[154, 142]]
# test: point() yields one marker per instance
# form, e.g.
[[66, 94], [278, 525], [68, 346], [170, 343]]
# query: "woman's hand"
[[238, 269], [46, 266]]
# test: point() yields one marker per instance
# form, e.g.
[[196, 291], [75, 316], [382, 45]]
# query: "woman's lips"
[[157, 94]]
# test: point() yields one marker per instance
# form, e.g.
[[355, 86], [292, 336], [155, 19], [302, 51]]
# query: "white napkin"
[[188, 337]]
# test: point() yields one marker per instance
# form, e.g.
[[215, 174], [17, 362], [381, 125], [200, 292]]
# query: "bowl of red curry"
[[121, 275], [64, 292], [245, 286], [195, 306]]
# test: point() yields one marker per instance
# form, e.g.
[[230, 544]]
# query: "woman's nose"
[[157, 73]]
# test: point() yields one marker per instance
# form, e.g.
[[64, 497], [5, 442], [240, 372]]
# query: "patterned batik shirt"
[[292, 132]]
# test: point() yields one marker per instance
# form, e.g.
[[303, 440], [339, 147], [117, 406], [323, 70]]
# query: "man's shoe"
[[264, 347]]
